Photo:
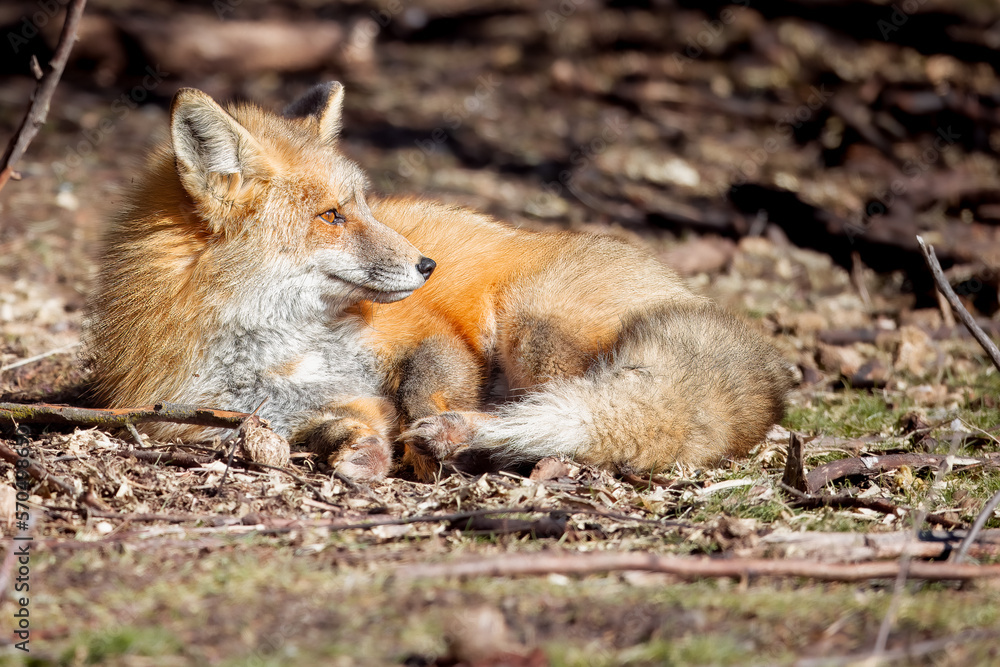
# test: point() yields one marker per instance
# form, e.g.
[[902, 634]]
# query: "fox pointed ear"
[[216, 156], [324, 103]]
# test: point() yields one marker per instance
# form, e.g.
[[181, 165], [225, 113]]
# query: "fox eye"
[[332, 217]]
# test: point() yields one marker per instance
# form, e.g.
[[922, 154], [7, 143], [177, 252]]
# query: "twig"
[[39, 357], [977, 526], [822, 475], [877, 504], [956, 304], [690, 568], [855, 547], [39, 109], [120, 417], [135, 434]]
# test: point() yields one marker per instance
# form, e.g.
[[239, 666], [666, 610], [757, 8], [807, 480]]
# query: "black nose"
[[426, 266]]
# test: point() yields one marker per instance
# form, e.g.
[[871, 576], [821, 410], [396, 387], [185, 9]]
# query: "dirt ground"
[[782, 155]]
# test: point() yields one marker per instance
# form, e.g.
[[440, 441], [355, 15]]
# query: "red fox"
[[251, 262]]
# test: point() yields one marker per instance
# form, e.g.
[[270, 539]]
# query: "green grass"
[[854, 413], [849, 414], [98, 648]]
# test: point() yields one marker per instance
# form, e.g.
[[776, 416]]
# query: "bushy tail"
[[689, 384]]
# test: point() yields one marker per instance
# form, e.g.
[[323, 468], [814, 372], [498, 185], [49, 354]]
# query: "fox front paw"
[[434, 443], [367, 460], [353, 449]]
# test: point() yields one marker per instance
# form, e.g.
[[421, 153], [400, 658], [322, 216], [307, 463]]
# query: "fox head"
[[275, 193]]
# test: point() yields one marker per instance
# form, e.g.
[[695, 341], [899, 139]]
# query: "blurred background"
[[782, 154]]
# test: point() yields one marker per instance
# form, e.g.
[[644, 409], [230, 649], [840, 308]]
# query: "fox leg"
[[438, 396], [535, 349], [532, 350], [440, 375], [353, 437]]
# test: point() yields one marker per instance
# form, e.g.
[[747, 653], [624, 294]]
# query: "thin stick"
[[39, 357], [120, 417], [956, 304], [981, 520], [135, 434], [691, 568], [876, 504], [853, 547], [822, 475], [39, 109]]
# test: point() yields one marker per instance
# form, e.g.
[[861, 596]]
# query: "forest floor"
[[781, 155]]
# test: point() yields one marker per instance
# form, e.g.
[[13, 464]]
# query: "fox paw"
[[366, 460], [353, 449], [433, 443]]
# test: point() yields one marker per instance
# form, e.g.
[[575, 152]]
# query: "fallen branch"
[[43, 476], [945, 287], [876, 504], [690, 568], [822, 475], [859, 547], [39, 109], [44, 413]]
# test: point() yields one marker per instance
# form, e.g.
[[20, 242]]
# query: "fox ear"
[[216, 156], [324, 103]]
